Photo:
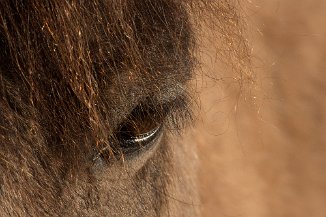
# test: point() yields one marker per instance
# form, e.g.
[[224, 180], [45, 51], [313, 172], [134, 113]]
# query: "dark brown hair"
[[71, 72]]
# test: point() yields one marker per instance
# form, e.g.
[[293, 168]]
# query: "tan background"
[[264, 153]]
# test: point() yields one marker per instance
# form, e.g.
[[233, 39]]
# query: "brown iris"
[[140, 129], [137, 133]]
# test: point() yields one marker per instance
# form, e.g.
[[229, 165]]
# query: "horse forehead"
[[122, 69]]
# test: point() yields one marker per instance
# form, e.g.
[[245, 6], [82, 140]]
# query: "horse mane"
[[71, 71]]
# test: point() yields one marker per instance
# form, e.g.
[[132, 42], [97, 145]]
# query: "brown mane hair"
[[71, 71]]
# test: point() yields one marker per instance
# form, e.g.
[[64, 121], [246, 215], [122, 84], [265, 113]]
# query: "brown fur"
[[71, 72], [268, 159]]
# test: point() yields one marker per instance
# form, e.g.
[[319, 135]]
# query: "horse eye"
[[132, 139], [138, 132]]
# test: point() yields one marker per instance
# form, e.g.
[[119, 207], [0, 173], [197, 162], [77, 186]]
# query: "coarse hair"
[[71, 71]]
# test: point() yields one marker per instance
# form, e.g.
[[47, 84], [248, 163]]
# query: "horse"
[[95, 97]]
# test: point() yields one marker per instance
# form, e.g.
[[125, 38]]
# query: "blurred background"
[[263, 152]]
